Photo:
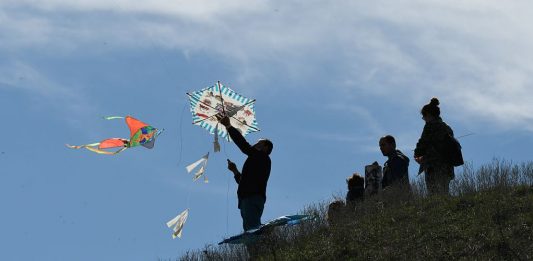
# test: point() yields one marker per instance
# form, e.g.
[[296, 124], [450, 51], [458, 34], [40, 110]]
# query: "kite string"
[[227, 191], [466, 135], [180, 135], [180, 141], [189, 195], [166, 67]]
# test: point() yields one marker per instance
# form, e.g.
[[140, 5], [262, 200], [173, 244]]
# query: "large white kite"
[[218, 100]]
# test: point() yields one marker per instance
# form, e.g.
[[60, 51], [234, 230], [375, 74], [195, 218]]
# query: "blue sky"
[[329, 79]]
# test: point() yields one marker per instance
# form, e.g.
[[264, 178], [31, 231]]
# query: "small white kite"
[[201, 170], [178, 223]]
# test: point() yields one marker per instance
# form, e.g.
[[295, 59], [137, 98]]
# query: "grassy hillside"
[[488, 217]]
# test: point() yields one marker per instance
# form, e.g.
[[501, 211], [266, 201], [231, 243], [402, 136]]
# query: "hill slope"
[[489, 217]]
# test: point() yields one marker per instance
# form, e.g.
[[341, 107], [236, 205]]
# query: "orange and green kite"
[[140, 134]]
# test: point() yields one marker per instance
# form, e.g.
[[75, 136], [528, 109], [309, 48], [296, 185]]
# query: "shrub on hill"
[[489, 216]]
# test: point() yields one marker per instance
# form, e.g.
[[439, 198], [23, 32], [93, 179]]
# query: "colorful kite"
[[140, 134], [219, 100], [252, 234], [178, 222], [201, 170]]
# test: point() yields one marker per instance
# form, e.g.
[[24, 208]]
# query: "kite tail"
[[83, 146], [105, 152], [93, 147], [113, 117]]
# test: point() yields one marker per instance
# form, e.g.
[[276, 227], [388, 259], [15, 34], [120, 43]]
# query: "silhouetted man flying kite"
[[253, 179]]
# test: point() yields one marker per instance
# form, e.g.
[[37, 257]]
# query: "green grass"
[[488, 217]]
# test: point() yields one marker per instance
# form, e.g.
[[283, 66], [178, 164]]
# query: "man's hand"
[[224, 120], [232, 166], [236, 174]]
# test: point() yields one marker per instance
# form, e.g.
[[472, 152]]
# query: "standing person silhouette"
[[253, 179], [396, 168], [438, 171]]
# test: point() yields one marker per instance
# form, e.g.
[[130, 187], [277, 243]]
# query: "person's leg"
[[251, 211], [243, 214], [438, 180], [444, 176], [430, 179]]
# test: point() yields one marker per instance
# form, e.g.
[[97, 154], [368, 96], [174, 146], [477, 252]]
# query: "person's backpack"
[[451, 151]]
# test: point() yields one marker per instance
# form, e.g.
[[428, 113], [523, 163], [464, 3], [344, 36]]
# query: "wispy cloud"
[[474, 54], [359, 126], [198, 10], [19, 76]]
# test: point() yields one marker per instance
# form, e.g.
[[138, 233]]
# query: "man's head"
[[387, 145], [264, 145]]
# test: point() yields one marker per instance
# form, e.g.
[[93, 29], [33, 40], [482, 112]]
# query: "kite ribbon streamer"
[[96, 147], [113, 117], [105, 152], [200, 171], [178, 223]]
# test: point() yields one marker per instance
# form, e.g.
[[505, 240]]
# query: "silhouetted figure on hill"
[[439, 172], [396, 168], [254, 176], [356, 189], [336, 211]]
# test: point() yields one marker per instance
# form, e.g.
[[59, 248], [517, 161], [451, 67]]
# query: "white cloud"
[[22, 76], [26, 78], [198, 9], [473, 54]]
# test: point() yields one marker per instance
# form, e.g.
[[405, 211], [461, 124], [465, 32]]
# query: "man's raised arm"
[[236, 136]]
